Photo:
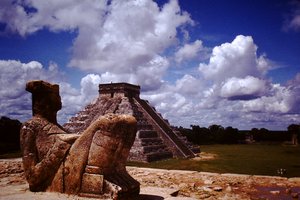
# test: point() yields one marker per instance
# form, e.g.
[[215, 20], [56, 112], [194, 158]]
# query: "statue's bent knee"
[[109, 148]]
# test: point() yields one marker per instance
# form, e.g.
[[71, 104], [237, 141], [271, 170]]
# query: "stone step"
[[75, 123], [138, 115], [150, 141], [150, 157], [154, 148], [144, 126], [142, 121], [147, 134]]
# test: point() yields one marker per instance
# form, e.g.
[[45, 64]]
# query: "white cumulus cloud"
[[29, 16], [295, 23], [293, 20], [243, 88], [132, 34], [188, 84], [231, 90], [89, 84], [150, 75], [188, 51], [114, 38], [130, 41], [277, 102], [236, 59], [15, 101]]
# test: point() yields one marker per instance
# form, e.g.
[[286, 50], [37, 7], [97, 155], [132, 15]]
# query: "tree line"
[[10, 135], [217, 134], [214, 134]]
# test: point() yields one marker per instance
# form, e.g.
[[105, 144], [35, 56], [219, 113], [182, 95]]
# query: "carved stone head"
[[45, 99]]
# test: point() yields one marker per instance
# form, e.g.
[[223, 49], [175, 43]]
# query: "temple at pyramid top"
[[155, 138], [119, 89]]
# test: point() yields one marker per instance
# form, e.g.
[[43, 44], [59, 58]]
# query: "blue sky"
[[233, 63]]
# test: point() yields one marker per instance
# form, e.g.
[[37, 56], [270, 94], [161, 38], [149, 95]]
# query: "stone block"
[[92, 183]]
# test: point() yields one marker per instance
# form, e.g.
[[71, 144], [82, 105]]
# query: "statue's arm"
[[28, 147], [38, 173], [69, 138]]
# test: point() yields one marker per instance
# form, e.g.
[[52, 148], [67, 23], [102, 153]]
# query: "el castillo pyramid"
[[155, 138]]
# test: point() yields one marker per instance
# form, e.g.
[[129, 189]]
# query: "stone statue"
[[89, 164]]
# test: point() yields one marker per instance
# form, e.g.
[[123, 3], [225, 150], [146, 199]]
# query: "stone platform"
[[159, 184]]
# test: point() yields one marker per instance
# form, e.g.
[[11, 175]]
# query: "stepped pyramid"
[[155, 139]]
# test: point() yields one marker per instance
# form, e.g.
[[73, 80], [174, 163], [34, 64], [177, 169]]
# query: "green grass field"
[[255, 159]]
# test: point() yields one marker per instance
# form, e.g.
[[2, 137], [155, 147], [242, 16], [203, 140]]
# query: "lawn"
[[255, 159]]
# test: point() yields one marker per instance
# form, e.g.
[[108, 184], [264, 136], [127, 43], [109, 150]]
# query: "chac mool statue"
[[89, 164]]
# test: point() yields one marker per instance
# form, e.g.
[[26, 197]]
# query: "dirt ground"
[[157, 184]]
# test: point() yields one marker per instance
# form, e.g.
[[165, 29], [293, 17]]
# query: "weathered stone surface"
[[295, 195], [45, 99], [295, 179], [208, 182], [162, 192], [42, 148], [217, 188], [92, 163], [109, 140], [92, 183], [13, 185]]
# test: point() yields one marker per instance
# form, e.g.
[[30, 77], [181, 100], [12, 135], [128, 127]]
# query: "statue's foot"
[[129, 186]]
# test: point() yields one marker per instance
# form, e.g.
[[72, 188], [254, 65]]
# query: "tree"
[[201, 135], [231, 135], [10, 134], [215, 128]]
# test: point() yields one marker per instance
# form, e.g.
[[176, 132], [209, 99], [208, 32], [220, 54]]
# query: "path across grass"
[[254, 159]]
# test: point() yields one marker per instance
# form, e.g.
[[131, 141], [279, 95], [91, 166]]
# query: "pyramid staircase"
[[155, 139]]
